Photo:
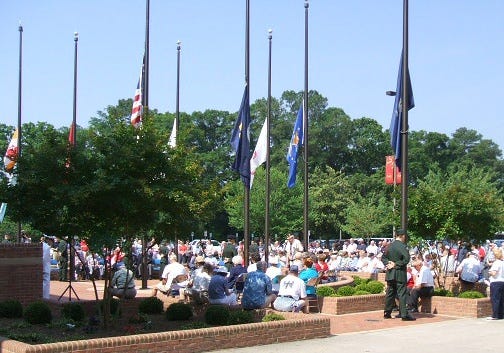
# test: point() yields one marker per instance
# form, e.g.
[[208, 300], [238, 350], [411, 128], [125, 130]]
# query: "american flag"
[[137, 110]]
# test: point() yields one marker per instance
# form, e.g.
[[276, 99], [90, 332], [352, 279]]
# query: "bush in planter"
[[325, 291], [73, 311], [441, 292], [361, 292], [275, 316], [238, 317], [375, 287], [114, 306], [217, 315], [11, 309], [194, 325], [151, 305], [345, 291], [359, 280], [38, 313], [471, 294], [179, 311]]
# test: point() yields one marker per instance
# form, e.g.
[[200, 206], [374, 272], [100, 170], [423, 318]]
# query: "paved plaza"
[[364, 332]]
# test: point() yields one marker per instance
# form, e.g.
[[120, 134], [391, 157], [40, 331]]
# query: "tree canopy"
[[119, 181]]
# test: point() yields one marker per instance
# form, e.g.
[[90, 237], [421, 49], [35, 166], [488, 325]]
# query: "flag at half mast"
[[296, 141], [172, 142], [137, 110], [12, 153], [396, 124], [259, 155], [240, 140]]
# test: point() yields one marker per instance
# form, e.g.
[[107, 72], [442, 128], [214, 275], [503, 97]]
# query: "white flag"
[[173, 136], [3, 208], [259, 155]]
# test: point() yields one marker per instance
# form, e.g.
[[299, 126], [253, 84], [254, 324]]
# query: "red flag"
[[71, 135], [390, 170]]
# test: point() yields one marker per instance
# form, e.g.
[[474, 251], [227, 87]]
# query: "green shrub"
[[325, 291], [194, 325], [359, 280], [73, 311], [11, 308], [345, 291], [30, 338], [139, 318], [275, 316], [375, 287], [441, 292], [38, 313], [361, 292], [217, 315], [151, 305], [361, 287], [238, 317], [114, 306], [179, 312], [471, 294]]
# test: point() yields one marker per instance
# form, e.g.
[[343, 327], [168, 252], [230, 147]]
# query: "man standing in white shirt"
[[423, 287], [46, 267], [292, 246]]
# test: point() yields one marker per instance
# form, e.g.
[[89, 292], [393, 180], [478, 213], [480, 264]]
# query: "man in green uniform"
[[229, 251], [395, 259], [63, 259]]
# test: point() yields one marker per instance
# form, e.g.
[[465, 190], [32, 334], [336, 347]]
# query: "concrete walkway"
[[469, 335]]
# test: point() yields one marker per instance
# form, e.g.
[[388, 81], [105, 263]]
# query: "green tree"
[[461, 204], [330, 194], [286, 205], [368, 217]]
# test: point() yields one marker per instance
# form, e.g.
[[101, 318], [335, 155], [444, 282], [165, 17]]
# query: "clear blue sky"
[[456, 56]]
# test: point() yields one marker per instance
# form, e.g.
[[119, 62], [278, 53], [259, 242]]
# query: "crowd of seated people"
[[192, 274]]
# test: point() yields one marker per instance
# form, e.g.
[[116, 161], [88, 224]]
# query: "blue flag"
[[396, 123], [240, 140], [296, 141]]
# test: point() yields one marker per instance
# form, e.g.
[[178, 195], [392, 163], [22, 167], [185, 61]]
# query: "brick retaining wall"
[[189, 341], [21, 272]]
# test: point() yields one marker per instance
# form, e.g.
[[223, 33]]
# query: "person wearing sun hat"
[[218, 290]]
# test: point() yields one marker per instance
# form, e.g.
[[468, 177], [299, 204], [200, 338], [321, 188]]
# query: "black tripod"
[[70, 272]]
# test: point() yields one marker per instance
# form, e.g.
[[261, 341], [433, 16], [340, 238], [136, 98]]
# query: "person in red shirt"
[[321, 266]]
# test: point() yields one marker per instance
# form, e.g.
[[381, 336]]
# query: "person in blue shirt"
[[257, 292], [308, 273], [218, 291]]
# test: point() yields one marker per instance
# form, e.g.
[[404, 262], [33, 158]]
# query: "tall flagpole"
[[177, 110], [305, 134], [267, 239], [20, 140], [146, 67], [246, 198], [145, 104], [176, 127], [74, 120], [404, 123]]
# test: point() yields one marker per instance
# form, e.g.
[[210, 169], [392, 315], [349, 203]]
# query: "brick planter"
[[462, 307], [352, 304], [189, 341]]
